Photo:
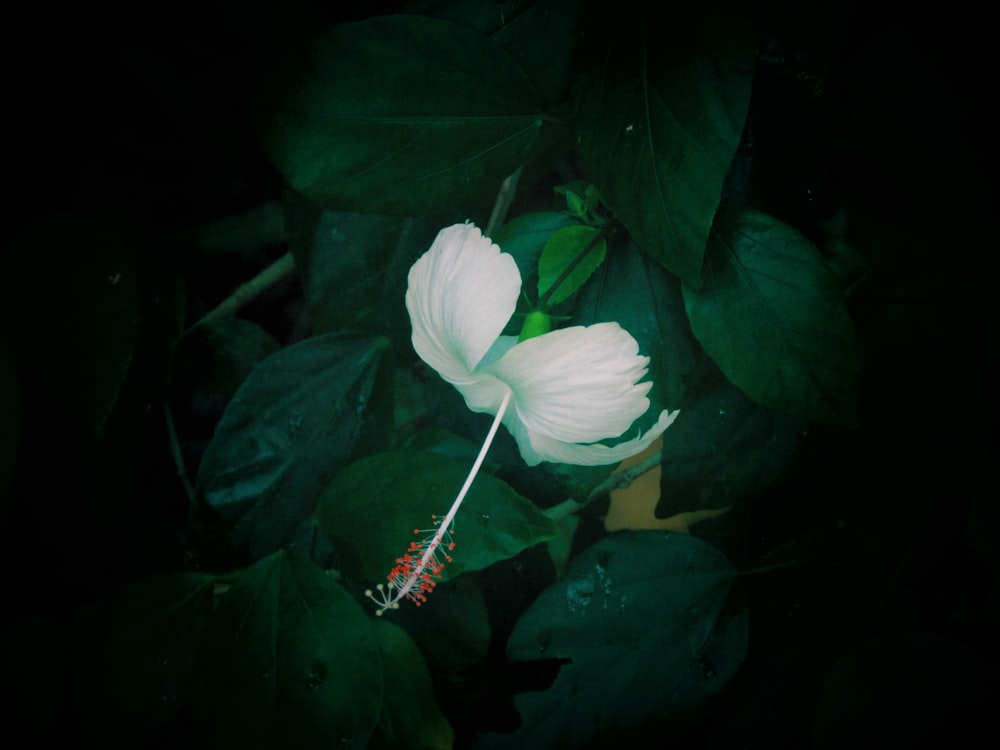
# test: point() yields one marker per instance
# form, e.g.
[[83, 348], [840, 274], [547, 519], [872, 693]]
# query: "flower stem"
[[415, 577]]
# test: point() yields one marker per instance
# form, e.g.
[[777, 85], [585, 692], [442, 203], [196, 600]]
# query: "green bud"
[[535, 324], [576, 205]]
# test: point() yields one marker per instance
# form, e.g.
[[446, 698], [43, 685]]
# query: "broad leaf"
[[288, 429], [353, 266], [772, 314], [538, 34], [661, 122], [292, 662], [370, 510], [525, 236], [646, 300], [214, 359], [724, 448], [641, 619], [136, 661], [411, 719], [560, 252], [400, 115]]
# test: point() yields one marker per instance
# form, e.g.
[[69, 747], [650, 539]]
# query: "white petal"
[[461, 294], [576, 385], [484, 392], [536, 448]]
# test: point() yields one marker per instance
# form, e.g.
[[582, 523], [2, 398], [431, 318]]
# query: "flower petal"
[[576, 385], [536, 448], [461, 294], [484, 392]]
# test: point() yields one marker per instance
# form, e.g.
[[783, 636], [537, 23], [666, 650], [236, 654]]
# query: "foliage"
[[217, 435]]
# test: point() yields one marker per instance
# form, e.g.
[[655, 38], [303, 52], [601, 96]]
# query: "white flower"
[[568, 388]]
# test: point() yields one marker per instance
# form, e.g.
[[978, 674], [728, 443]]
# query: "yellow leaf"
[[634, 507]]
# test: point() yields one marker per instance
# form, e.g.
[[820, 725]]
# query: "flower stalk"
[[418, 571]]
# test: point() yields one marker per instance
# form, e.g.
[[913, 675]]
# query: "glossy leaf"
[[660, 124], [772, 314], [560, 251], [640, 619], [292, 662], [370, 510], [290, 426], [400, 115]]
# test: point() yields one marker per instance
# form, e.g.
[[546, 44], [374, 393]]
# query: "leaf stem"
[[248, 291], [618, 481]]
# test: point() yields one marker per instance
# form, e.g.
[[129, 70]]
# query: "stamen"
[[419, 569]]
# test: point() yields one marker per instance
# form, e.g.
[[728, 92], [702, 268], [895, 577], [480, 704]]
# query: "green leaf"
[[646, 301], [724, 448], [371, 508], [772, 315], [641, 619], [354, 266], [215, 358], [410, 718], [524, 237], [137, 656], [288, 429], [538, 34], [541, 36], [400, 115], [292, 662], [660, 124], [559, 252]]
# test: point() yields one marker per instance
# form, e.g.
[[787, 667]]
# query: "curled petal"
[[461, 294], [576, 385], [536, 448]]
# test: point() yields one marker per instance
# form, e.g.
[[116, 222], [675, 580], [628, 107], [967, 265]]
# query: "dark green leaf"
[[724, 448], [353, 266], [646, 301], [559, 252], [641, 619], [401, 115], [772, 314], [538, 34], [525, 236], [288, 429], [411, 719], [215, 358], [371, 508], [292, 663], [661, 122], [138, 656], [452, 629]]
